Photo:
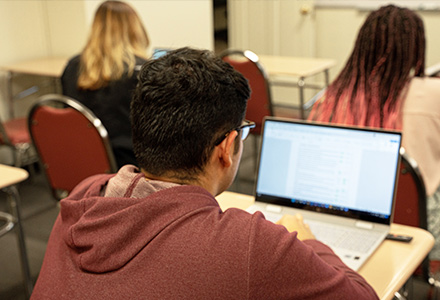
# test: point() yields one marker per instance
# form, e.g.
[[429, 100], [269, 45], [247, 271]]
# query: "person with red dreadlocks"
[[383, 85]]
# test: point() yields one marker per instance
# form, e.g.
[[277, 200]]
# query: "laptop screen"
[[338, 170]]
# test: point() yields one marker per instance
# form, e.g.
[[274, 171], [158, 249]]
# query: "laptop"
[[341, 179], [159, 52]]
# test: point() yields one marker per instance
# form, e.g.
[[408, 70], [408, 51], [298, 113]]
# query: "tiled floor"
[[39, 212]]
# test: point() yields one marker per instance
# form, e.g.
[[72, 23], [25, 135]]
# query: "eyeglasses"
[[244, 128]]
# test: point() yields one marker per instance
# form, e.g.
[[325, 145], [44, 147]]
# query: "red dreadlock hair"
[[369, 89]]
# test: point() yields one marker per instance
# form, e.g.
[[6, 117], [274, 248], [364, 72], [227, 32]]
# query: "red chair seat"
[[17, 131]]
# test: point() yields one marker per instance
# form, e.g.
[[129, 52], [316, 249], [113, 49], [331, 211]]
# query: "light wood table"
[[51, 67], [299, 68], [390, 266], [9, 176]]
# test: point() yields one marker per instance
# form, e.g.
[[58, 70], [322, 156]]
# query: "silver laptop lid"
[[338, 170]]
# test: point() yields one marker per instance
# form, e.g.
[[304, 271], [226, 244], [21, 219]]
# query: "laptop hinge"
[[364, 225]]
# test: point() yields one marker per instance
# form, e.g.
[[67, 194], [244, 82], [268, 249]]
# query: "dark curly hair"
[[184, 101]]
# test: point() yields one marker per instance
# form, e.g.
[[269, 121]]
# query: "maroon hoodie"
[[123, 237]]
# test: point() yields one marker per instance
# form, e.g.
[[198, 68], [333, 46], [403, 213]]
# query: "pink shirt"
[[421, 128]]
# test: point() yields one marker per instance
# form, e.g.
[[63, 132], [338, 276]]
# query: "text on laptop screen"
[[336, 168]]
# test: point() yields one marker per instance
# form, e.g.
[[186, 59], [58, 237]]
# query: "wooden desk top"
[[392, 263], [275, 65], [295, 66], [11, 175], [49, 66]]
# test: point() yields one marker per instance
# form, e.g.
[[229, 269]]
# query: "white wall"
[[31, 29], [37, 28], [22, 30], [298, 28], [67, 26], [278, 27], [432, 26], [23, 36], [184, 23], [172, 23]]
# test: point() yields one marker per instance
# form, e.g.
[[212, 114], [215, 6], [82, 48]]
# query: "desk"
[[390, 266], [48, 67], [297, 67], [9, 176]]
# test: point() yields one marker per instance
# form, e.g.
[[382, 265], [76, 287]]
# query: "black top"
[[110, 104]]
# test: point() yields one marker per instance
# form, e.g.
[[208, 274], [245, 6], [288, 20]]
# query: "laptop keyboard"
[[353, 239]]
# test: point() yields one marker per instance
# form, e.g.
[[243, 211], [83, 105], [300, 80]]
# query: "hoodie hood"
[[108, 219]]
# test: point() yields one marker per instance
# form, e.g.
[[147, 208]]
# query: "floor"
[[39, 212]]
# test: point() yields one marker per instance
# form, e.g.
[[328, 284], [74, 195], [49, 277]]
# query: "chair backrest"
[[71, 142], [410, 208], [260, 102], [411, 194], [433, 71]]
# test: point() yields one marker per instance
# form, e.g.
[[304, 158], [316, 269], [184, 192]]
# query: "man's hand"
[[296, 223]]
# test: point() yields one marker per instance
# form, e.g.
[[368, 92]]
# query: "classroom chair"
[[14, 135], [433, 71], [71, 142], [260, 102], [411, 208]]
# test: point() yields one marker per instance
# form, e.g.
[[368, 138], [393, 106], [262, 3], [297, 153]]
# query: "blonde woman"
[[104, 75]]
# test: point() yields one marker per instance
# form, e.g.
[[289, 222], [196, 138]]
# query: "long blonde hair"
[[116, 37]]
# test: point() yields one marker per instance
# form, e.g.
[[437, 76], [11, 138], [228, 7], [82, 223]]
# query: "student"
[[159, 233], [383, 85], [104, 75], [389, 49], [421, 139]]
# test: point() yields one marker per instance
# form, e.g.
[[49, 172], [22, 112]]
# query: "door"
[[278, 27]]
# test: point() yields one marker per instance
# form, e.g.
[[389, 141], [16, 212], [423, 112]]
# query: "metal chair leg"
[[9, 223], [14, 203]]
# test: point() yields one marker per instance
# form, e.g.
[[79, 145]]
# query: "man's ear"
[[227, 149]]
